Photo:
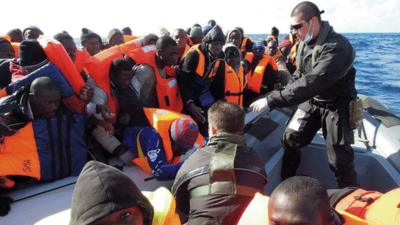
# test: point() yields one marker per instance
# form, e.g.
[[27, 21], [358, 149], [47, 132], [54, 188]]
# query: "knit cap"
[[184, 132]]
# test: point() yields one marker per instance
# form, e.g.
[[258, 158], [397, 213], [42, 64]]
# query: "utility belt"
[[355, 109], [328, 104]]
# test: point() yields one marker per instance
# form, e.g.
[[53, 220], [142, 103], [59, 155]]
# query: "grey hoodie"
[[101, 190]]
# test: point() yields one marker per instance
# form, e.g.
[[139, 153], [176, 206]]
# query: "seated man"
[[304, 200], [216, 183], [160, 149], [41, 134], [262, 73], [104, 195]]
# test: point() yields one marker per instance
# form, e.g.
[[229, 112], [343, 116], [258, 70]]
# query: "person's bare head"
[[300, 200], [305, 18], [44, 97], [225, 117]]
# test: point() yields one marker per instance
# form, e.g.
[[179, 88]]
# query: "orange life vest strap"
[[254, 79], [234, 85], [357, 202]]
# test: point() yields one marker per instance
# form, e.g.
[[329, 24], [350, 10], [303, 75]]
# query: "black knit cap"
[[88, 34], [31, 53], [102, 190], [214, 35]]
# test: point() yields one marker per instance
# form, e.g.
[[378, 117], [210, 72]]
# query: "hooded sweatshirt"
[[101, 190]]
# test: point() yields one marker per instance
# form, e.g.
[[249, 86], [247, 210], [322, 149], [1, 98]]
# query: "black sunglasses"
[[300, 25]]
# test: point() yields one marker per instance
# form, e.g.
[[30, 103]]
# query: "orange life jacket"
[[200, 68], [254, 78], [161, 120], [128, 38], [98, 67], [56, 54], [18, 154], [372, 206], [129, 46], [80, 57], [244, 44], [167, 89], [234, 85]]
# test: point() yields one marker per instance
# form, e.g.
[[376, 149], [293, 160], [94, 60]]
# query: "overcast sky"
[[255, 16]]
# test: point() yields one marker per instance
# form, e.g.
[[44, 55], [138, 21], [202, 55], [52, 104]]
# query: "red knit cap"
[[184, 132]]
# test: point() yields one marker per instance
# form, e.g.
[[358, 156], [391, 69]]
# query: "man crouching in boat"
[[41, 139], [161, 148], [216, 183]]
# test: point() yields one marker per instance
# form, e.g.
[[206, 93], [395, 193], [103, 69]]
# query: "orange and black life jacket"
[[200, 68], [46, 149], [255, 77], [234, 85], [161, 120], [98, 67], [167, 89]]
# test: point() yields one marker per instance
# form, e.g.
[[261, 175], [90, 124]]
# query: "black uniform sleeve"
[[186, 74], [330, 67]]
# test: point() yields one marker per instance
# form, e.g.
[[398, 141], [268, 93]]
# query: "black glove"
[[5, 203]]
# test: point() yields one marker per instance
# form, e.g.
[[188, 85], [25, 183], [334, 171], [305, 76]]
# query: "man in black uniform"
[[217, 182], [324, 85]]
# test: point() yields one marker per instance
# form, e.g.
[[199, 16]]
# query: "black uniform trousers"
[[334, 120]]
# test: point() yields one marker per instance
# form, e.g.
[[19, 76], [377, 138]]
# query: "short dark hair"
[[179, 30], [62, 36], [120, 64], [306, 10], [306, 188], [212, 22], [150, 38], [42, 85], [164, 42], [227, 117]]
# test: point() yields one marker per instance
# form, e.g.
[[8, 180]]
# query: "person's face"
[[258, 53], [235, 38], [46, 104], [92, 46], [31, 34], [129, 216], [272, 47], [196, 39], [180, 39], [299, 27], [70, 47], [215, 47], [169, 56], [117, 39], [289, 210], [123, 79], [232, 57]]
